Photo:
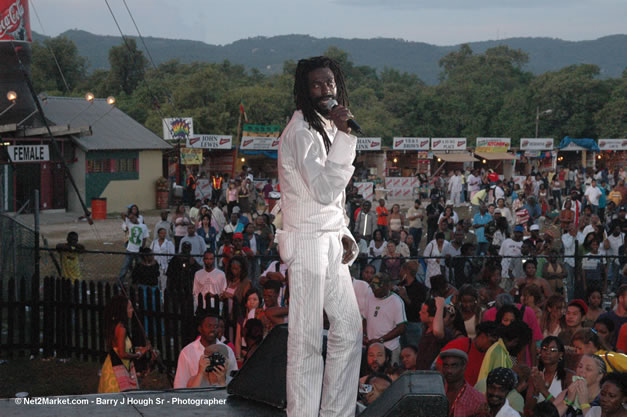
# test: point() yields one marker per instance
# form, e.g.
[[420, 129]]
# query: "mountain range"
[[267, 54]]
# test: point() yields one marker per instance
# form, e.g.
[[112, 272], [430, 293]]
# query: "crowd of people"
[[515, 294]]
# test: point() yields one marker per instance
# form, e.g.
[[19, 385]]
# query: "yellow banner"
[[191, 156]]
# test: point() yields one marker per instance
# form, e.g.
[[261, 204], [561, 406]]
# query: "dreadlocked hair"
[[301, 92]]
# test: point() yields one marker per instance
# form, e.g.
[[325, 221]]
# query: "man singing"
[[316, 153]]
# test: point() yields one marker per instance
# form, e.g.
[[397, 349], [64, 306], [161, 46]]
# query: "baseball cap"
[[454, 353], [236, 209], [519, 228], [534, 227], [238, 236], [581, 304]]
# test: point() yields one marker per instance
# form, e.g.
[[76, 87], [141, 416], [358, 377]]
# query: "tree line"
[[487, 94]]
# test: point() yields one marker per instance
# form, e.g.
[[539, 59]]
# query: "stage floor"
[[187, 402]]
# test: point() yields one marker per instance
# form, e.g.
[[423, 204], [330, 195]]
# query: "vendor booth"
[[494, 154], [578, 152]]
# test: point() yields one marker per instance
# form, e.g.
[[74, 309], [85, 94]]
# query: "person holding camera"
[[206, 361]]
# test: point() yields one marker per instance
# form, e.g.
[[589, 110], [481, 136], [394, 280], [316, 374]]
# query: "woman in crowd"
[[238, 284], [231, 197], [252, 301], [553, 316], [551, 377], [531, 296], [605, 327], [505, 211], [180, 222], [250, 240], [243, 196], [435, 249], [207, 232], [583, 392], [376, 249], [395, 219], [163, 250], [587, 341], [118, 371], [595, 299], [491, 280], [567, 216], [392, 260], [612, 397], [470, 309]]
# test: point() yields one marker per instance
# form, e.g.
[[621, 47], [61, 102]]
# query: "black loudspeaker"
[[262, 378], [413, 394]]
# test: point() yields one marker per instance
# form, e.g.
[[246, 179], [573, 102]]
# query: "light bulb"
[[89, 97], [11, 95]]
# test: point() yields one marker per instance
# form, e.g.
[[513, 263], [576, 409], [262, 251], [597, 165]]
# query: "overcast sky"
[[440, 22]]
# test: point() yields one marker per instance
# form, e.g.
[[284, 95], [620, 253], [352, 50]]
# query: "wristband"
[[549, 397], [569, 403], [584, 405]]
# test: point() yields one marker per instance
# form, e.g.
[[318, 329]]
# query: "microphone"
[[351, 122]]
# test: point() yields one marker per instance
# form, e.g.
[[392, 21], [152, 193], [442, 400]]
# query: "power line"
[[67, 88]]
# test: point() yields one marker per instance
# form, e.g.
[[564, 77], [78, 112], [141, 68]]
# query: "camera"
[[215, 359]]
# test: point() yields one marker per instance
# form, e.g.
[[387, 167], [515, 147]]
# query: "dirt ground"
[[103, 235]]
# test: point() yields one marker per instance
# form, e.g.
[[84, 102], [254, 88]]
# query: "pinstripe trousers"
[[320, 282]]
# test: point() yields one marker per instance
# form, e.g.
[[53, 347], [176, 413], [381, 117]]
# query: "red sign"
[[14, 21]]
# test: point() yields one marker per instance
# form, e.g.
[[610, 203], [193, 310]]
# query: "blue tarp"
[[589, 144], [269, 154]]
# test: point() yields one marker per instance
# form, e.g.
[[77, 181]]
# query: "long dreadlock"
[[301, 91]]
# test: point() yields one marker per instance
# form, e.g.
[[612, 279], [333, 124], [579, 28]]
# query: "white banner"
[[448, 144], [536, 144], [368, 144], [29, 153], [613, 144], [203, 189], [210, 142], [178, 128], [401, 187], [411, 144], [366, 190], [259, 143]]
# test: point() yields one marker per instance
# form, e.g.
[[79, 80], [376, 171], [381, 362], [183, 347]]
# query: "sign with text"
[[29, 153], [493, 144], [401, 188], [190, 156], [178, 128], [210, 142], [368, 144], [259, 143], [411, 144], [613, 144], [14, 21], [448, 144], [535, 144]]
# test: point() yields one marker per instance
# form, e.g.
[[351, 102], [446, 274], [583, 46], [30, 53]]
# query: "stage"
[[186, 402]]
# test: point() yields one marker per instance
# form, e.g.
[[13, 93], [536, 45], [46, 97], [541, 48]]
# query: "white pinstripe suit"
[[312, 205]]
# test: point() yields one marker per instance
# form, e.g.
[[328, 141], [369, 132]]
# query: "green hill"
[[269, 54]]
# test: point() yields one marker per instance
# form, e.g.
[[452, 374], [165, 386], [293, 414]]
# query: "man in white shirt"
[[612, 245], [498, 191], [194, 358], [385, 320], [209, 280], [316, 152], [570, 241], [592, 195], [474, 181], [455, 188], [510, 247]]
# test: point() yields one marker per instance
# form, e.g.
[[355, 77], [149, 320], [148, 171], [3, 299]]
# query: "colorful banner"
[[14, 21], [411, 144], [269, 131], [190, 156], [178, 128], [210, 142], [493, 144], [448, 144], [613, 144], [368, 144], [259, 143], [536, 144], [365, 189]]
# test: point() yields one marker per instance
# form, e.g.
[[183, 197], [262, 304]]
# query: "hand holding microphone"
[[342, 117]]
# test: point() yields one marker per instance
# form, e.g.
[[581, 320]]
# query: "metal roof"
[[112, 129]]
